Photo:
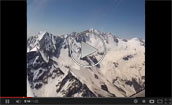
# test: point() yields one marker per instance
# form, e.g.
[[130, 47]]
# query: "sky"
[[124, 18]]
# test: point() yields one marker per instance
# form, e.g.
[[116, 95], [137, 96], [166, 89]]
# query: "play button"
[[87, 49]]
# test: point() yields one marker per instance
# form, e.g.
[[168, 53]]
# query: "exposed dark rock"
[[104, 87], [128, 57], [115, 64], [37, 86], [125, 40], [135, 84], [115, 39], [96, 76], [74, 86], [93, 58]]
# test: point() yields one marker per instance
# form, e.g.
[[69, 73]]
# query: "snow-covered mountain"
[[52, 73]]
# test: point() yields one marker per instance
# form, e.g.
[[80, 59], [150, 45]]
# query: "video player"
[[85, 52]]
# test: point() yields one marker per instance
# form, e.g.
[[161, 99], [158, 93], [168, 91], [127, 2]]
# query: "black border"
[[13, 46], [0, 49], [158, 48]]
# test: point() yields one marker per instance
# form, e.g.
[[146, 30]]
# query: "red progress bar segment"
[[15, 97]]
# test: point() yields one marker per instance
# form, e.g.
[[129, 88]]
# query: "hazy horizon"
[[124, 18]]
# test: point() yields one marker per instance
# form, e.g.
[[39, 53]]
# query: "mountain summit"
[[52, 73]]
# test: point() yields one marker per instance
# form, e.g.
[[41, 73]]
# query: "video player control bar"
[[80, 101]]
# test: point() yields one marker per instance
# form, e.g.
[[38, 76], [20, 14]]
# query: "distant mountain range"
[[52, 73]]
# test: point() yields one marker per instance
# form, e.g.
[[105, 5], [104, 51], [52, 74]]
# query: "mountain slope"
[[52, 73]]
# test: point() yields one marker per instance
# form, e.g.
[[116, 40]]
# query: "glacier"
[[52, 73]]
